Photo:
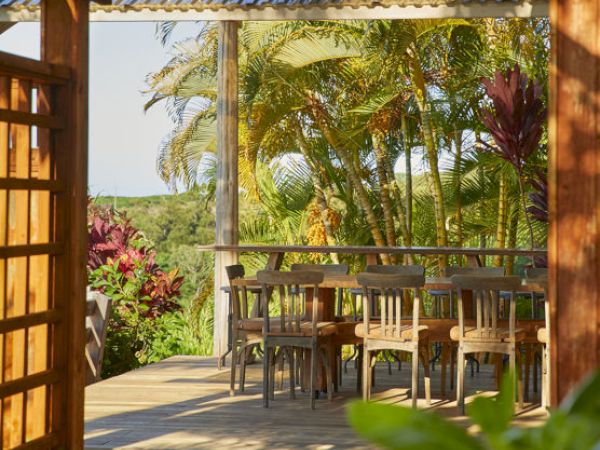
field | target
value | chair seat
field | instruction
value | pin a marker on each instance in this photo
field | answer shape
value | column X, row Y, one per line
column 542, row 335
column 375, row 332
column 256, row 324
column 471, row 334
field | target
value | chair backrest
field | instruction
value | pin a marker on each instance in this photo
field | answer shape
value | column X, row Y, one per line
column 96, row 324
column 239, row 294
column 291, row 301
column 486, row 295
column 390, row 289
column 396, row 270
column 328, row 269
column 479, row 271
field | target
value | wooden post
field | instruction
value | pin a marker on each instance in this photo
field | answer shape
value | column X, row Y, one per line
column 574, row 193
column 65, row 26
column 227, row 173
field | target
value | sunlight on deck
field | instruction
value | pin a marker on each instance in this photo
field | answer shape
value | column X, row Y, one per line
column 183, row 403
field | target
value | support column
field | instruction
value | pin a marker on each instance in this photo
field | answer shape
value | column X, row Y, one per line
column 574, row 193
column 65, row 25
column 227, row 173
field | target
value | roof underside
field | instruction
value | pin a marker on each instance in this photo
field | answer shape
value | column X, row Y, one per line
column 157, row 10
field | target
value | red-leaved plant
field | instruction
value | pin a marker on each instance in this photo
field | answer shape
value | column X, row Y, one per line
column 120, row 265
column 539, row 197
column 515, row 119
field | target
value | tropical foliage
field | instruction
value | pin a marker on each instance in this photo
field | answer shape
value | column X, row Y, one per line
column 361, row 132
column 148, row 321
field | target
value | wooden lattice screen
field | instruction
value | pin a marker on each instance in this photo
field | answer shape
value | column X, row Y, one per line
column 32, row 251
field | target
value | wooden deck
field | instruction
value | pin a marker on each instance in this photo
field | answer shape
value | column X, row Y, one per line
column 183, row 403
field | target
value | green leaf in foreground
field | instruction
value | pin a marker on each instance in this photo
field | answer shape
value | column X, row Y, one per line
column 397, row 427
column 494, row 414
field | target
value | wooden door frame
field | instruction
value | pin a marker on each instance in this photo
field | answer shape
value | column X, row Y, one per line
column 64, row 36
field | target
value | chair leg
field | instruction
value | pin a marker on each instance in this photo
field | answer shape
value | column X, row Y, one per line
column 272, row 364
column 244, row 355
column 292, row 369
column 512, row 365
column 544, row 371
column 266, row 371
column 460, row 379
column 427, row 377
column 414, row 390
column 313, row 374
column 232, row 374
column 444, row 364
column 366, row 378
column 359, row 369
column 452, row 366
column 325, row 355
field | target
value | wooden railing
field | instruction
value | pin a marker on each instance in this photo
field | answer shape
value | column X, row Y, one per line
column 472, row 254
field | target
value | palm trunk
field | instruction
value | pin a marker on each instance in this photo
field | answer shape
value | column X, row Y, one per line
column 481, row 177
column 501, row 224
column 512, row 237
column 319, row 115
column 432, row 157
column 409, row 189
column 384, row 190
column 457, row 137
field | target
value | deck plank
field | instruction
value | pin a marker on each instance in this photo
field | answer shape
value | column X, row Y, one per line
column 183, row 403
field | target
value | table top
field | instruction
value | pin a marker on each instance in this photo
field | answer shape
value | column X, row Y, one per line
column 350, row 282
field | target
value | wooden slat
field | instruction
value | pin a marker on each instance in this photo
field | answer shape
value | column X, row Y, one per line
column 15, row 251
column 32, row 70
column 30, row 320
column 28, row 382
column 31, row 119
column 32, row 184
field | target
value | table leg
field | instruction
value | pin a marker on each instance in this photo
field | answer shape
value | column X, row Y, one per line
column 325, row 313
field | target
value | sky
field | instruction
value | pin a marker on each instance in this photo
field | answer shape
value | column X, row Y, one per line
column 124, row 140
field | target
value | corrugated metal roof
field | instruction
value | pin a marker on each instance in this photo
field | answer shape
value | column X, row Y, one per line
column 199, row 5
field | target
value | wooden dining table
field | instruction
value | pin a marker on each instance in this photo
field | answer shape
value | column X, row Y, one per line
column 439, row 327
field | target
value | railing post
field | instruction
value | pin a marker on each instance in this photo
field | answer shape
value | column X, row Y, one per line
column 227, row 173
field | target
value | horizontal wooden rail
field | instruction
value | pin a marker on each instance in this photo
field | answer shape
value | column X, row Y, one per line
column 26, row 118
column 28, row 382
column 372, row 250
column 31, row 69
column 30, row 320
column 16, row 251
column 28, row 184
column 42, row 443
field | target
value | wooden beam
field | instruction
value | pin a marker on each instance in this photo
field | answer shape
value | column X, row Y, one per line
column 227, row 172
column 65, row 41
column 574, row 193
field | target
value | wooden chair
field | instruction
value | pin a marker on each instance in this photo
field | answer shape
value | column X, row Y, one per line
column 246, row 331
column 292, row 331
column 392, row 332
column 96, row 324
column 486, row 335
column 342, row 322
column 540, row 276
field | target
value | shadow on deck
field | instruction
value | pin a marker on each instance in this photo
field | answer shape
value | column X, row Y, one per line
column 183, row 403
